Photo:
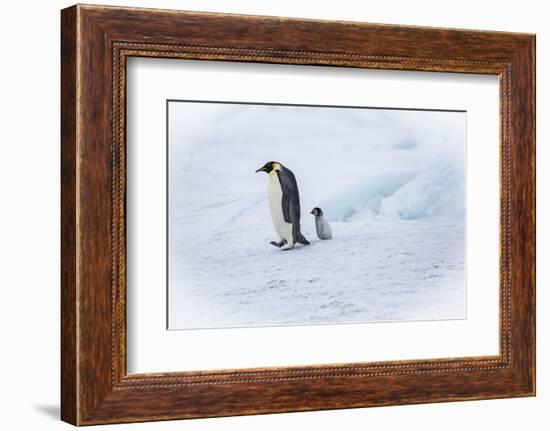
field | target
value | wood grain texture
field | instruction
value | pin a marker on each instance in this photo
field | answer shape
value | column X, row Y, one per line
column 96, row 41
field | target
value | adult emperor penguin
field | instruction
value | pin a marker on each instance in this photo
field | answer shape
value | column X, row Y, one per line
column 284, row 201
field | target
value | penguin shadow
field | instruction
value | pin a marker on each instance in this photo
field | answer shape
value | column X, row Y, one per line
column 287, row 250
column 298, row 247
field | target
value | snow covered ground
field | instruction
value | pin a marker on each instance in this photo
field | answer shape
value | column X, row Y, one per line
column 391, row 182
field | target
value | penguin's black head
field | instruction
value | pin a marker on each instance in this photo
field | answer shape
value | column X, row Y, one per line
column 269, row 167
column 317, row 211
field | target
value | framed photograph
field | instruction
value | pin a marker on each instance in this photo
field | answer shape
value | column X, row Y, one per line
column 265, row 214
column 376, row 182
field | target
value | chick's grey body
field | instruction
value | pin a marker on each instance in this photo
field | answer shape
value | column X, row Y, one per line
column 284, row 201
column 324, row 231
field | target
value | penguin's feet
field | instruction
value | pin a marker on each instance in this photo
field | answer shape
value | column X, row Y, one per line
column 289, row 247
column 278, row 244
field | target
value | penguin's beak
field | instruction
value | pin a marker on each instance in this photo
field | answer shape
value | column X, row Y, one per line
column 262, row 169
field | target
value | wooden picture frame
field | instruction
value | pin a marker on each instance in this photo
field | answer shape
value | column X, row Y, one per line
column 95, row 43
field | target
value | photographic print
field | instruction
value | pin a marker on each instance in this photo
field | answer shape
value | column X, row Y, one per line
column 300, row 214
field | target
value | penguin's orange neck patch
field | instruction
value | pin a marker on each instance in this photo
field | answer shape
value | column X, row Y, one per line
column 276, row 167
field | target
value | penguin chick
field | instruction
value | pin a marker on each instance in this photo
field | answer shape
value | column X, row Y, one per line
column 324, row 231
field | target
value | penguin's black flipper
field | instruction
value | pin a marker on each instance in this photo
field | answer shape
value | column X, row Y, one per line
column 286, row 206
column 295, row 220
column 291, row 196
column 291, row 203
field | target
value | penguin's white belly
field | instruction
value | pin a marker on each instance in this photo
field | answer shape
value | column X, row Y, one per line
column 275, row 194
